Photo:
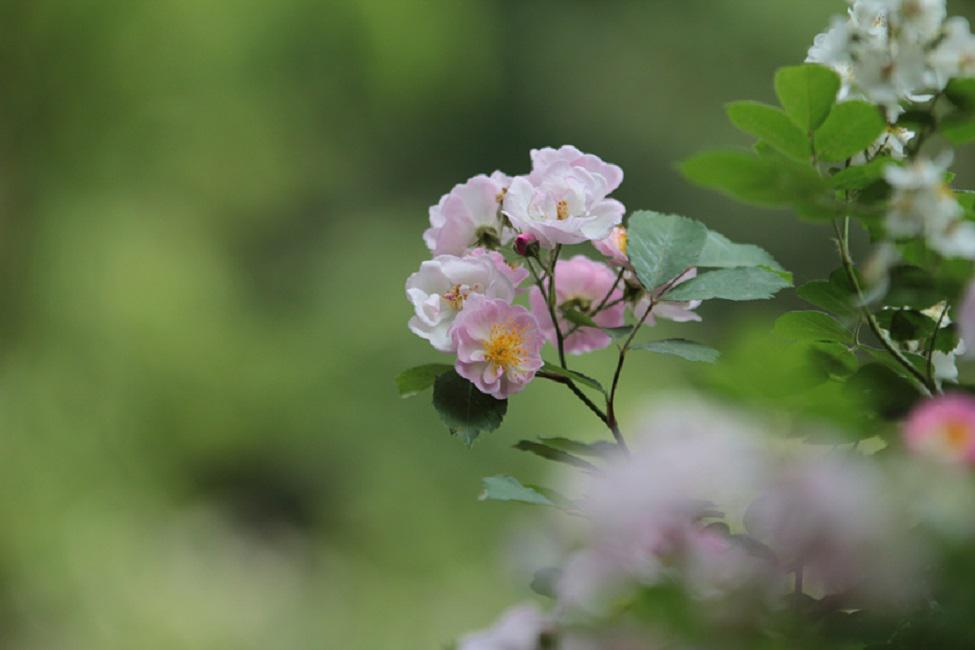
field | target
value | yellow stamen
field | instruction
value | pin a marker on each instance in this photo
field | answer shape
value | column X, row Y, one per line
column 500, row 195
column 957, row 435
column 623, row 239
column 562, row 210
column 504, row 347
column 456, row 296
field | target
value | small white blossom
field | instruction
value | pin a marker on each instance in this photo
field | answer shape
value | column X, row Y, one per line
column 955, row 54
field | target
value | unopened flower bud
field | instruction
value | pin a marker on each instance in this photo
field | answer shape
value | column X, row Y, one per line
column 526, row 245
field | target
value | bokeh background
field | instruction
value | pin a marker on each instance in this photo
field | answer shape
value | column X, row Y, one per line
column 208, row 209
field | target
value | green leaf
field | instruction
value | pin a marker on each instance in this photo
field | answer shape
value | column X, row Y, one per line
column 755, row 283
column 508, row 488
column 833, row 359
column 858, row 177
column 912, row 286
column 576, row 317
column 754, row 179
column 721, row 252
column 807, row 92
column 850, row 128
column 958, row 127
column 416, row 380
column 464, row 409
column 595, row 449
column 828, row 296
column 578, row 377
column 551, row 453
column 771, row 125
column 682, row 348
column 618, row 333
column 662, row 246
column 811, row 326
column 961, row 92
column 544, row 581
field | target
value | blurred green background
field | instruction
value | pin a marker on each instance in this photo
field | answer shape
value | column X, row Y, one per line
column 208, row 209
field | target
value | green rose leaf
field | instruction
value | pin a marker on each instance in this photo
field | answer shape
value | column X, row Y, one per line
column 578, row 377
column 755, row 283
column 681, row 348
column 961, row 92
column 811, row 326
column 850, row 128
column 464, row 409
column 829, row 296
column 721, row 252
column 858, row 177
column 592, row 449
column 552, row 453
column 807, row 92
column 959, row 127
column 662, row 246
column 417, row 379
column 771, row 125
column 508, row 488
column 762, row 180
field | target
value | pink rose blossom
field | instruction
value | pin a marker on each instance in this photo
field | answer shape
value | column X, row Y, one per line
column 471, row 210
column 943, row 428
column 498, row 346
column 679, row 312
column 440, row 289
column 519, row 628
column 564, row 199
column 515, row 273
column 614, row 247
column 583, row 283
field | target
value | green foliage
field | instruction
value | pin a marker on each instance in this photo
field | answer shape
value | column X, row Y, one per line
column 681, row 348
column 807, row 92
column 771, row 125
column 464, row 409
column 811, row 326
column 592, row 449
column 553, row 453
column 958, row 127
column 750, row 283
column 721, row 252
column 508, row 488
column 578, row 377
column 753, row 179
column 850, row 128
column 416, row 380
column 831, row 297
column 662, row 246
column 858, row 177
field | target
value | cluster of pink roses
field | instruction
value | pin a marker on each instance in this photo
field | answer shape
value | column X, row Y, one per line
column 464, row 298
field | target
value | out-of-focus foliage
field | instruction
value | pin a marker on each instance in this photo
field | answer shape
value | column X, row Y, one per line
column 207, row 208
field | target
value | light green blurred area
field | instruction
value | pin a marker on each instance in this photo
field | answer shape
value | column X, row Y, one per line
column 208, row 209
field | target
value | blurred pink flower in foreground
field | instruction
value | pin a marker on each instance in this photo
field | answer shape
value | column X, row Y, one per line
column 498, row 346
column 583, row 284
column 943, row 428
column 519, row 628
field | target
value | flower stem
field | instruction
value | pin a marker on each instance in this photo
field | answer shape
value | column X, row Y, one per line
column 842, row 241
column 551, row 304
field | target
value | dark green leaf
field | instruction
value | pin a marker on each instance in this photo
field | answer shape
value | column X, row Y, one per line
column 619, row 333
column 771, row 125
column 544, row 581
column 508, row 488
column 551, row 453
column 682, row 348
column 578, row 377
column 416, row 380
column 912, row 286
column 807, row 92
column 811, row 326
column 662, row 246
column 833, row 359
column 887, row 392
column 755, row 283
column 850, row 128
column 595, row 449
column 579, row 318
column 828, row 296
column 464, row 409
column 721, row 252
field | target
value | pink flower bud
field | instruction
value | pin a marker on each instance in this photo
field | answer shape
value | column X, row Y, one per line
column 526, row 244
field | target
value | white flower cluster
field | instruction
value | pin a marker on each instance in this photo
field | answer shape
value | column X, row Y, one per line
column 889, row 51
column 923, row 205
